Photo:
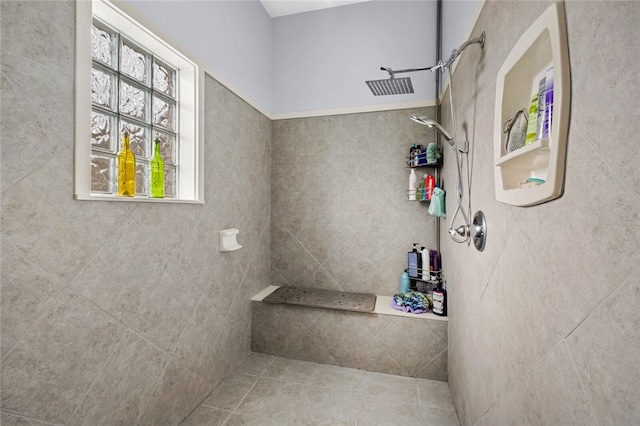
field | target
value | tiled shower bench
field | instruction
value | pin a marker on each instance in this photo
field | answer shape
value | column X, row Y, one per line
column 385, row 340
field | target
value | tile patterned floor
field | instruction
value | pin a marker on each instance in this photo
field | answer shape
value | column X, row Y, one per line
column 267, row 390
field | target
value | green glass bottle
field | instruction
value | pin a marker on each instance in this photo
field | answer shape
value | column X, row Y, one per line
column 157, row 172
column 126, row 169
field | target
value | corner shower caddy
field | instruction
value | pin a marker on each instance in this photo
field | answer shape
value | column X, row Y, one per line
column 542, row 45
column 435, row 167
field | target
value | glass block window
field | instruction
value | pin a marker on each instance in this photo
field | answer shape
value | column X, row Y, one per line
column 129, row 79
column 136, row 92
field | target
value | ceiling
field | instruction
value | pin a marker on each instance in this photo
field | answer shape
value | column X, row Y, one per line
column 277, row 8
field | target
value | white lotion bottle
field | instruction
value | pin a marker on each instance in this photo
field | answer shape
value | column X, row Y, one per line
column 424, row 254
column 413, row 185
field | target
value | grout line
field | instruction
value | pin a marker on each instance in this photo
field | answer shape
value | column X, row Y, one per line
column 610, row 168
column 529, row 371
column 62, row 146
column 39, row 318
column 510, row 234
column 112, row 235
column 577, row 373
column 119, row 322
column 611, row 295
column 431, row 361
column 45, row 305
column 143, row 408
column 252, row 387
column 238, row 288
column 485, row 413
column 229, row 414
column 318, row 263
column 22, row 416
column 100, row 373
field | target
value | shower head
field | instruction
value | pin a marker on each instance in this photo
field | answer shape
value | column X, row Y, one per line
column 421, row 119
column 391, row 86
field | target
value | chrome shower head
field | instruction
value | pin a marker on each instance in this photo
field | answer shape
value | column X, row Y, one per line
column 421, row 119
column 391, row 86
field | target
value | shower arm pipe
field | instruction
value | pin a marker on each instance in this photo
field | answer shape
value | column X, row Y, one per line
column 456, row 52
column 454, row 55
column 392, row 73
column 478, row 40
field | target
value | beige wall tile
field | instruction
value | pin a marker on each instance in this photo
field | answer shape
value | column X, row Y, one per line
column 178, row 392
column 124, row 386
column 547, row 267
column 26, row 292
column 37, row 378
column 148, row 266
column 605, row 350
column 339, row 202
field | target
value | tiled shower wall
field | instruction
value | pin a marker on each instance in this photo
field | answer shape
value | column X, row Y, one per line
column 544, row 324
column 414, row 347
column 117, row 312
column 340, row 215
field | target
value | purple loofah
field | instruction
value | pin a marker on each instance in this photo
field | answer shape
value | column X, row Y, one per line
column 406, row 308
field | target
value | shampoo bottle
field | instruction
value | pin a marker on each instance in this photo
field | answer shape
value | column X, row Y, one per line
column 430, row 183
column 548, row 104
column 404, row 282
column 413, row 185
column 440, row 301
column 413, row 259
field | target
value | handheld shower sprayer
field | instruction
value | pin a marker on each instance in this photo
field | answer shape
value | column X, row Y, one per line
column 421, row 119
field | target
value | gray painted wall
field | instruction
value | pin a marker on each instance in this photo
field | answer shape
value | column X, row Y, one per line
column 312, row 61
column 544, row 325
column 233, row 38
column 322, row 59
column 456, row 22
column 117, row 312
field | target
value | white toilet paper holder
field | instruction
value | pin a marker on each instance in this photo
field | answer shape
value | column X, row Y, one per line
column 228, row 240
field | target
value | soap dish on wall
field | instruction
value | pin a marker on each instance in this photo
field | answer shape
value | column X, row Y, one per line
column 228, row 240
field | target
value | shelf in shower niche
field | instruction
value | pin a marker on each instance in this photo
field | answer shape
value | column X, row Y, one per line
column 527, row 156
column 542, row 46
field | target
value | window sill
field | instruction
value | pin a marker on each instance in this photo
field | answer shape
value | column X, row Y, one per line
column 135, row 199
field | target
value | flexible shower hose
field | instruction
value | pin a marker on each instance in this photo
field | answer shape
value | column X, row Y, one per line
column 455, row 236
